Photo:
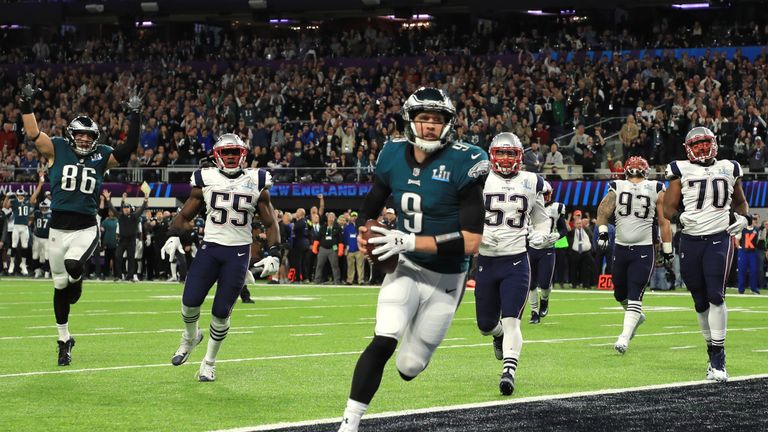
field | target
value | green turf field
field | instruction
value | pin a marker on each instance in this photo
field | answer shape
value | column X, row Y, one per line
column 290, row 356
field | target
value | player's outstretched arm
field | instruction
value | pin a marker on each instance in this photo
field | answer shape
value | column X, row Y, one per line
column 38, row 189
column 133, row 106
column 672, row 200
column 42, row 141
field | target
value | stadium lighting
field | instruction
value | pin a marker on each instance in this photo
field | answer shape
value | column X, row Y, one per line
column 150, row 7
column 257, row 4
column 144, row 24
column 94, row 8
column 420, row 17
column 691, row 6
column 539, row 12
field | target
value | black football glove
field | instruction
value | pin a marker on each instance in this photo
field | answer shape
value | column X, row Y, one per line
column 28, row 92
column 667, row 257
column 603, row 241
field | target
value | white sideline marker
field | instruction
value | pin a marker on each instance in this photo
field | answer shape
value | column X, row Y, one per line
column 503, row 402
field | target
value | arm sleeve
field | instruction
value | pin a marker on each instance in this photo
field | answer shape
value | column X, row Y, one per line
column 472, row 209
column 123, row 152
column 375, row 201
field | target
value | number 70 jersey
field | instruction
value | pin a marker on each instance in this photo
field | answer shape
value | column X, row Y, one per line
column 707, row 192
column 230, row 203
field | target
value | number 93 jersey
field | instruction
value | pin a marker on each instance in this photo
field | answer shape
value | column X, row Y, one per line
column 426, row 196
column 230, row 203
column 511, row 205
column 635, row 210
column 76, row 180
column 707, row 192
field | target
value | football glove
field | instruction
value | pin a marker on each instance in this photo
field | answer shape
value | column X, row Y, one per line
column 603, row 239
column 28, row 93
column 134, row 102
column 738, row 224
column 536, row 238
column 392, row 242
column 268, row 266
column 172, row 245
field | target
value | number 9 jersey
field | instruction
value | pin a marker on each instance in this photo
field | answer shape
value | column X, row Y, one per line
column 230, row 203
column 707, row 192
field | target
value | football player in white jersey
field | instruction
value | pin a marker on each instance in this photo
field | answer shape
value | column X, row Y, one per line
column 542, row 257
column 231, row 196
column 514, row 203
column 706, row 197
column 636, row 204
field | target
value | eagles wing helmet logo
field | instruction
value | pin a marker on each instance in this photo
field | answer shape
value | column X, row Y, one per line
column 480, row 169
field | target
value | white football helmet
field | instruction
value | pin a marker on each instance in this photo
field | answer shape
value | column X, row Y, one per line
column 83, row 125
column 700, row 144
column 428, row 99
column 506, row 153
column 229, row 153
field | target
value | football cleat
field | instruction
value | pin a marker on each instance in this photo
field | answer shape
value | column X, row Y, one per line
column 24, row 271
column 717, row 367
column 535, row 319
column 11, row 268
column 507, row 383
column 639, row 323
column 498, row 350
column 65, row 351
column 349, row 424
column 621, row 345
column 185, row 349
column 207, row 372
column 543, row 307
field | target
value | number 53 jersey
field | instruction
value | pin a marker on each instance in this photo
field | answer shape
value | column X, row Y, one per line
column 511, row 206
column 707, row 192
column 230, row 203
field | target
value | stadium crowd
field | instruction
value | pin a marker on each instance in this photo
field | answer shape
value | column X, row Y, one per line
column 314, row 114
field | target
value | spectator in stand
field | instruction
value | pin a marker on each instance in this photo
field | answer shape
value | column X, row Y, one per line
column 554, row 157
column 758, row 157
column 533, row 159
column 540, row 135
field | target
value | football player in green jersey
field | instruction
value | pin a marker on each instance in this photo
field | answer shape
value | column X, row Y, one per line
column 76, row 165
column 437, row 187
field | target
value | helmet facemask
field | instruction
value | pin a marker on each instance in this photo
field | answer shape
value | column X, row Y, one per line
column 230, row 158
column 423, row 112
column 506, row 160
column 83, row 134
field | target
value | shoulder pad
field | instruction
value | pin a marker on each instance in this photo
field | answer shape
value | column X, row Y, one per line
column 673, row 171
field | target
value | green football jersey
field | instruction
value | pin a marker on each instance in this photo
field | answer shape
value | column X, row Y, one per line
column 426, row 195
column 22, row 209
column 42, row 223
column 76, row 180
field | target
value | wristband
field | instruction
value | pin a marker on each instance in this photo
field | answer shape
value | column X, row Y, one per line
column 666, row 247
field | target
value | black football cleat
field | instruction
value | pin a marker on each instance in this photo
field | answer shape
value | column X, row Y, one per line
column 507, row 384
column 498, row 349
column 535, row 319
column 543, row 307
column 65, row 351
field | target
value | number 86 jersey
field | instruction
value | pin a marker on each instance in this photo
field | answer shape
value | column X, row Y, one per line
column 230, row 203
column 707, row 192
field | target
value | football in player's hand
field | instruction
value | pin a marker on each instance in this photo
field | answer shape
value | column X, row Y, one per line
column 387, row 266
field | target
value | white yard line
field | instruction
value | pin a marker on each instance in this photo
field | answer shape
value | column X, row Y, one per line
column 504, row 402
column 682, row 347
column 329, row 354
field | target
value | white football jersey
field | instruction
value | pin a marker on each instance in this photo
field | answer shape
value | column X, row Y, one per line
column 635, row 210
column 230, row 203
column 511, row 206
column 707, row 193
column 553, row 211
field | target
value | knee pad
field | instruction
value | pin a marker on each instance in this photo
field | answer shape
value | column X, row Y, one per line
column 701, row 306
column 716, row 300
column 619, row 297
column 410, row 366
column 74, row 268
column 486, row 326
column 222, row 312
column 74, row 291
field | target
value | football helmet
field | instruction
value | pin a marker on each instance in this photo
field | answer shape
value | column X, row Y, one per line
column 428, row 99
column 229, row 153
column 547, row 192
column 506, row 153
column 83, row 125
column 45, row 205
column 636, row 166
column 700, row 144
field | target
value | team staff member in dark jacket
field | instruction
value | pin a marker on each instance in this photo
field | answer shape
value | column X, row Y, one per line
column 128, row 226
column 300, row 247
column 329, row 246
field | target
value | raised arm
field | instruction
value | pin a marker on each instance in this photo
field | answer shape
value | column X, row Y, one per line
column 122, row 153
column 42, row 141
column 38, row 189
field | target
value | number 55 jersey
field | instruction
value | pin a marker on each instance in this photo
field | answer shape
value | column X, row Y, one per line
column 230, row 203
column 706, row 192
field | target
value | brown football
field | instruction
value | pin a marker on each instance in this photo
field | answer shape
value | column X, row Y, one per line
column 387, row 266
